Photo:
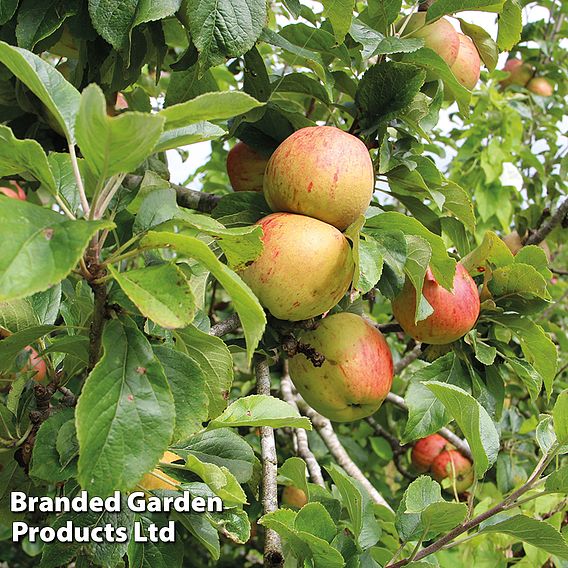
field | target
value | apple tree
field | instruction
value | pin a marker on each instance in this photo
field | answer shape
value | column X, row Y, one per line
column 348, row 322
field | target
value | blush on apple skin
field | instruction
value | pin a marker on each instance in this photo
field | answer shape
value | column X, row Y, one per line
column 458, row 468
column 426, row 450
column 454, row 315
column 356, row 375
column 322, row 172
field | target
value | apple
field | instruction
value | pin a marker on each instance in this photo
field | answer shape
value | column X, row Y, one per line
column 293, row 497
column 540, row 86
column 356, row 375
column 467, row 65
column 455, row 312
column 150, row 482
column 305, row 268
column 245, row 167
column 426, row 450
column 17, row 193
column 450, row 463
column 440, row 36
column 322, row 172
column 515, row 244
column 520, row 73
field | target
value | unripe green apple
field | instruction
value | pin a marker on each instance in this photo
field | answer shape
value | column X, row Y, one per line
column 293, row 497
column 455, row 312
column 305, row 268
column 467, row 65
column 426, row 450
column 245, row 167
column 439, row 36
column 540, row 86
column 322, row 172
column 458, row 468
column 520, row 73
column 356, row 375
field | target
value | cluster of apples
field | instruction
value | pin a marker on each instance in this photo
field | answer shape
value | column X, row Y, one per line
column 456, row 49
column 436, row 455
column 318, row 182
column 523, row 75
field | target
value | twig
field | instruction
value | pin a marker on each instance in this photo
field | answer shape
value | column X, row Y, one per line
column 301, row 435
column 272, row 545
column 459, row 444
column 391, row 327
column 97, row 324
column 546, row 228
column 189, row 198
column 409, row 358
column 79, row 180
column 224, row 327
column 328, row 435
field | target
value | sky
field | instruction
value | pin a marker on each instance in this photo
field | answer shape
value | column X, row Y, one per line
column 198, row 154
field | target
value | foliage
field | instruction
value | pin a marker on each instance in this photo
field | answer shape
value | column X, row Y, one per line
column 116, row 276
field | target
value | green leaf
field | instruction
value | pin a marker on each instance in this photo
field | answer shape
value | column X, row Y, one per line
column 192, row 134
column 510, row 25
column 46, row 464
column 419, row 495
column 474, row 422
column 394, row 44
column 519, row 287
column 537, row 347
column 444, row 7
column 125, row 414
column 17, row 315
column 113, row 20
column 202, row 530
column 10, row 346
column 484, row 43
column 339, row 13
column 223, row 447
column 113, row 145
column 545, row 435
column 443, row 266
column 162, row 293
column 458, row 202
column 560, row 415
column 260, row 410
column 441, row 517
column 222, row 29
column 60, row 97
column 368, row 37
column 215, row 361
column 538, row 533
column 370, row 265
column 246, row 303
column 21, row 156
column 209, row 106
column 417, row 261
column 155, row 554
column 313, row 518
column 437, row 67
column 385, row 89
column 557, row 482
column 151, row 11
column 65, row 182
column 294, row 470
column 187, row 383
column 359, row 507
column 232, row 523
column 219, row 479
column 301, row 83
column 40, row 247
column 7, row 10
column 491, row 252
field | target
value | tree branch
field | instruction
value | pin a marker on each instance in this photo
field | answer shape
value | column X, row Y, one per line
column 328, row 435
column 224, row 327
column 409, row 358
column 188, row 198
column 461, row 445
column 546, row 228
column 272, row 545
column 301, row 435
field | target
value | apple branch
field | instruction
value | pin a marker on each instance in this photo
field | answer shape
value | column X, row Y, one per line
column 269, row 496
column 461, row 445
column 301, row 435
column 224, row 327
column 507, row 503
column 546, row 228
column 407, row 359
column 328, row 435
